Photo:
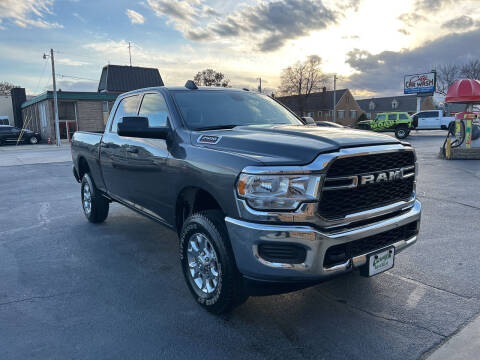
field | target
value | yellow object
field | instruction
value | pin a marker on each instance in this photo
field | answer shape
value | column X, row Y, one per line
column 448, row 150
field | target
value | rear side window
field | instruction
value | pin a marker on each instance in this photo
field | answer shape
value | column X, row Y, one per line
column 126, row 107
column 392, row 116
column 403, row 116
column 381, row 117
column 155, row 109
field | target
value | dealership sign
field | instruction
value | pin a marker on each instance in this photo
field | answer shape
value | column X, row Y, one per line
column 419, row 83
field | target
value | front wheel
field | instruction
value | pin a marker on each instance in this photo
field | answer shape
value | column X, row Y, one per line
column 401, row 132
column 95, row 206
column 33, row 140
column 208, row 263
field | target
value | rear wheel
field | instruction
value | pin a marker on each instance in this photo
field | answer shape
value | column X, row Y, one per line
column 401, row 132
column 95, row 206
column 208, row 263
column 33, row 140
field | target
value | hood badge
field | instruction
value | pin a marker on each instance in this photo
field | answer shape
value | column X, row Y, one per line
column 208, row 139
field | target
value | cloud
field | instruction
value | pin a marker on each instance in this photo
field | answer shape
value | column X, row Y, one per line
column 135, row 17
column 270, row 25
column 432, row 5
column 70, row 62
column 383, row 73
column 28, row 13
column 459, row 23
column 403, row 31
column 412, row 19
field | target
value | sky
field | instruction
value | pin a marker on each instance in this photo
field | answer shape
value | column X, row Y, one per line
column 369, row 44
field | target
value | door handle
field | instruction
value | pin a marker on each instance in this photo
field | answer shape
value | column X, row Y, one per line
column 133, row 150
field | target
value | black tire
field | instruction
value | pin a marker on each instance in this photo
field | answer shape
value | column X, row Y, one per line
column 401, row 132
column 33, row 140
column 228, row 291
column 94, row 205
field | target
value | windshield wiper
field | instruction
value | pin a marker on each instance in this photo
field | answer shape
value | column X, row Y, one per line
column 215, row 127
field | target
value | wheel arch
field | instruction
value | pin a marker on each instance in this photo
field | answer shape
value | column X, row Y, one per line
column 193, row 199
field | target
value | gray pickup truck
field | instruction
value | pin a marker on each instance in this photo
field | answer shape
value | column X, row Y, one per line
column 257, row 196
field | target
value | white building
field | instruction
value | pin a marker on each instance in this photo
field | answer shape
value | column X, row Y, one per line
column 6, row 110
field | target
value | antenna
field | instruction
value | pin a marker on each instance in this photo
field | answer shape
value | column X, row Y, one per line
column 130, row 53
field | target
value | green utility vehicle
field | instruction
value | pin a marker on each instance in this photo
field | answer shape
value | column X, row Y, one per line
column 399, row 122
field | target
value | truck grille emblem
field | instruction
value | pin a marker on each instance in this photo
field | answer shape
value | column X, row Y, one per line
column 381, row 177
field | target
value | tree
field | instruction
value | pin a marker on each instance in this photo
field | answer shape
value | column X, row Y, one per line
column 5, row 87
column 449, row 73
column 303, row 78
column 446, row 75
column 210, row 77
column 471, row 70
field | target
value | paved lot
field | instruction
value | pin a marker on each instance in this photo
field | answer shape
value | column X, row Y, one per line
column 70, row 289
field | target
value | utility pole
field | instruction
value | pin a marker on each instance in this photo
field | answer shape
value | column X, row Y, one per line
column 130, row 53
column 260, row 86
column 335, row 98
column 55, row 99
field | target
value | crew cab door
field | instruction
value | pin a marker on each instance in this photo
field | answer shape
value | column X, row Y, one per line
column 112, row 149
column 146, row 174
column 422, row 120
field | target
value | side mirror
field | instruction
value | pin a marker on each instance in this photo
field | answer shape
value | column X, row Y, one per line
column 138, row 126
column 308, row 120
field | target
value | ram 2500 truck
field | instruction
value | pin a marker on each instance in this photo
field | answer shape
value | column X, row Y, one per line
column 255, row 194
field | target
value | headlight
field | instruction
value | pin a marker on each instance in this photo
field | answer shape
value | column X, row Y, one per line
column 277, row 192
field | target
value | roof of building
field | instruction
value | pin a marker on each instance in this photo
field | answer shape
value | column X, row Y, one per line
column 316, row 101
column 405, row 103
column 71, row 95
column 119, row 78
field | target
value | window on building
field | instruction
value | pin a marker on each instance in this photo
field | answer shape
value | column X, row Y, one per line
column 66, row 110
column 310, row 114
column 394, row 104
column 353, row 114
column 155, row 109
column 371, row 105
column 327, row 113
column 369, row 116
column 319, row 114
column 392, row 117
column 127, row 107
column 341, row 114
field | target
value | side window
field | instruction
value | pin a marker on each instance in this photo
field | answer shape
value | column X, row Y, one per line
column 422, row 115
column 403, row 117
column 155, row 109
column 392, row 117
column 127, row 107
column 381, row 117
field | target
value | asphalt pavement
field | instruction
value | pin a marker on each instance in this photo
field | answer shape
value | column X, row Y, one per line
column 71, row 289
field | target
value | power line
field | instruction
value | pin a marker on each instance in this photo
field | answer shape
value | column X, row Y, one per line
column 76, row 77
column 41, row 77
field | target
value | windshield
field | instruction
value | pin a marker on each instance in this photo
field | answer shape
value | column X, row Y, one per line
column 217, row 109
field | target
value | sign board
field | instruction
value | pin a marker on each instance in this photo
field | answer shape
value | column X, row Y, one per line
column 420, row 83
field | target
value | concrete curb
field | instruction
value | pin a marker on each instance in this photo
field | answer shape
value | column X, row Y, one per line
column 464, row 345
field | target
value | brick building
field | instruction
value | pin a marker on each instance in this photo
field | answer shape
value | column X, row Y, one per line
column 85, row 111
column 319, row 106
column 402, row 103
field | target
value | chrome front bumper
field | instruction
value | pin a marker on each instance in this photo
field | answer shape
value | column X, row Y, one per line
column 246, row 236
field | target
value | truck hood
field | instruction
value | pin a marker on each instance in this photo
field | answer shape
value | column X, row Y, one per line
column 286, row 144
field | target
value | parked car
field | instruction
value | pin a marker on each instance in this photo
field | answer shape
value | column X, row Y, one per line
column 329, row 124
column 432, row 120
column 399, row 122
column 11, row 135
column 255, row 194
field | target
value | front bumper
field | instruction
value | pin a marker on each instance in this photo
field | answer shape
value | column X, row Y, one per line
column 246, row 236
